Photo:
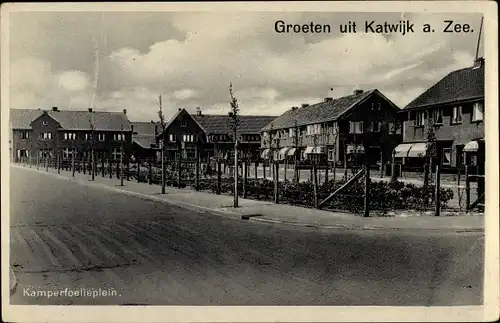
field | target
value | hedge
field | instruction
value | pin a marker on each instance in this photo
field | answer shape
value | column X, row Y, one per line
column 384, row 196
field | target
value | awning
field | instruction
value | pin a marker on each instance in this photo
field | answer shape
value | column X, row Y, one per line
column 359, row 149
column 282, row 153
column 418, row 150
column 265, row 153
column 401, row 150
column 471, row 147
column 319, row 150
column 291, row 152
column 308, row 150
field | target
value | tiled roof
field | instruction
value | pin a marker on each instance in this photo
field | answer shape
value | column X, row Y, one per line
column 72, row 120
column 144, row 128
column 144, row 141
column 319, row 112
column 221, row 124
column 460, row 85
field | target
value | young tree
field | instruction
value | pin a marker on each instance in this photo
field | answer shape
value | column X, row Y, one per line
column 431, row 152
column 92, row 143
column 297, row 140
column 235, row 123
column 162, row 144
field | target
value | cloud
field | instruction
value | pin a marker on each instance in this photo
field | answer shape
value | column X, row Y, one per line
column 190, row 58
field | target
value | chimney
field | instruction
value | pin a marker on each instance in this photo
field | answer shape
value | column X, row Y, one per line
column 478, row 62
column 357, row 92
column 294, row 108
column 55, row 109
column 198, row 111
column 179, row 109
column 328, row 99
column 90, row 109
column 124, row 111
column 305, row 105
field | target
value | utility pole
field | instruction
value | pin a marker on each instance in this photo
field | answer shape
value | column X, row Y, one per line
column 162, row 145
column 235, row 116
column 92, row 143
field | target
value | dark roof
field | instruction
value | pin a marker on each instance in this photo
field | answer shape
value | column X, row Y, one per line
column 144, row 128
column 461, row 85
column 221, row 124
column 145, row 141
column 319, row 112
column 72, row 120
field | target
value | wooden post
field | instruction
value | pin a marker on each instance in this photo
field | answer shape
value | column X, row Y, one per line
column 110, row 167
column 84, row 165
column 438, row 190
column 92, row 160
column 255, row 169
column 73, row 163
column 467, row 188
column 366, row 204
column 236, row 173
column 197, row 169
column 138, row 170
column 128, row 169
column 245, row 177
column 264, row 169
column 118, row 164
column 326, row 171
column 179, row 169
column 150, row 170
column 103, row 170
column 284, row 174
column 219, row 177
column 315, row 184
column 58, row 162
column 276, row 182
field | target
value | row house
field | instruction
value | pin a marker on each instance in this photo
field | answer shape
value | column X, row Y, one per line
column 340, row 130
column 51, row 133
column 449, row 114
column 212, row 134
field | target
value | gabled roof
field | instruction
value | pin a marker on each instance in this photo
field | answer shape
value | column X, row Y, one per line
column 221, row 124
column 72, row 120
column 319, row 112
column 461, row 85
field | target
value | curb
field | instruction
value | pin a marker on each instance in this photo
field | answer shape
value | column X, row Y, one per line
column 13, row 282
column 225, row 212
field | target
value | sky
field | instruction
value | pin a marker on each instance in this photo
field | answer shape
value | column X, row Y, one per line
column 124, row 60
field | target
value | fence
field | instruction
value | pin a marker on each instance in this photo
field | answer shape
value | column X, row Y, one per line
column 354, row 192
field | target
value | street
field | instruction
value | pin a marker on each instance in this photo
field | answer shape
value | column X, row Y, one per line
column 65, row 235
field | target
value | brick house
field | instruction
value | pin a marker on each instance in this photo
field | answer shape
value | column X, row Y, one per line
column 453, row 109
column 337, row 130
column 213, row 134
column 47, row 133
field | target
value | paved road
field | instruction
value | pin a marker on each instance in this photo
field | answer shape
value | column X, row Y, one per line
column 68, row 236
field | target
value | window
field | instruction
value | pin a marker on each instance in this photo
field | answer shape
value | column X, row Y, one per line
column 446, row 158
column 23, row 153
column 438, row 116
column 331, row 154
column 100, row 136
column 420, row 121
column 45, row 153
column 376, row 105
column 188, row 138
column 394, row 128
column 356, row 126
column 171, row 137
column 116, row 153
column 88, row 136
column 45, row 123
column 183, row 124
column 46, row 135
column 119, row 137
column 314, row 129
column 375, row 126
column 69, row 136
column 68, row 153
column 457, row 115
column 478, row 111
column 25, row 135
column 460, row 158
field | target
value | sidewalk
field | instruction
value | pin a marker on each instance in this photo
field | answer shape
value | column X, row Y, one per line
column 264, row 211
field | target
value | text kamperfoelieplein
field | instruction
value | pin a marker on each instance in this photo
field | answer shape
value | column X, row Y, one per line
column 67, row 292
